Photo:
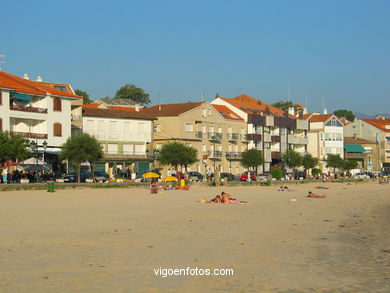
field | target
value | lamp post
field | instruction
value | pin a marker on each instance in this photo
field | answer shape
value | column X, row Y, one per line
column 214, row 139
column 34, row 148
column 229, row 158
column 156, row 152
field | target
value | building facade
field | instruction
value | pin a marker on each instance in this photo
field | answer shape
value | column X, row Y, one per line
column 269, row 129
column 325, row 137
column 217, row 133
column 377, row 130
column 363, row 151
column 124, row 137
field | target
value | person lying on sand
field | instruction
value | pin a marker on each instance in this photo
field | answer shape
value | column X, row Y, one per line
column 216, row 199
column 321, row 187
column 383, row 181
column 229, row 200
column 282, row 188
column 312, row 195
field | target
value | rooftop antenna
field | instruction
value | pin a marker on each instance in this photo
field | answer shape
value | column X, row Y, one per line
column 201, row 96
column 306, row 96
column 289, row 92
column 1, row 61
column 158, row 102
column 323, row 104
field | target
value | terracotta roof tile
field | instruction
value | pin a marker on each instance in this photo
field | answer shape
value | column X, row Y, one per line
column 379, row 123
column 22, row 85
column 227, row 113
column 115, row 113
column 170, row 109
column 317, row 117
column 89, row 106
column 357, row 140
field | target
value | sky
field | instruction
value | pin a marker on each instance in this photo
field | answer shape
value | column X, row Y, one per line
column 336, row 51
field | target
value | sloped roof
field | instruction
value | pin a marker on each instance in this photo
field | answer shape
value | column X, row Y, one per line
column 170, row 109
column 356, row 140
column 93, row 105
column 317, row 117
column 115, row 113
column 117, row 102
column 379, row 123
column 22, row 85
column 227, row 113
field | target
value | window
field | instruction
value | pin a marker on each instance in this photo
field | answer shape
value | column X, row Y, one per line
column 61, row 88
column 209, row 112
column 112, row 148
column 57, row 129
column 204, row 148
column 204, row 129
column 219, row 130
column 128, row 149
column 189, row 127
column 267, row 145
column 333, row 122
column 387, row 139
column 57, row 106
column 204, row 113
column 157, row 128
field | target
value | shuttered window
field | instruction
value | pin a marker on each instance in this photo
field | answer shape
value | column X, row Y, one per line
column 57, row 106
column 57, row 129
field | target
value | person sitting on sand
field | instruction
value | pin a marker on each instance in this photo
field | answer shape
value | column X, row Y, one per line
column 312, row 195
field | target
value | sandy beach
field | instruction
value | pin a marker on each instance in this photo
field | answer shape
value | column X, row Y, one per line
column 112, row 240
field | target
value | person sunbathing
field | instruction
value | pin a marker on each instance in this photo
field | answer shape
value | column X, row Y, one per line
column 216, row 199
column 282, row 188
column 312, row 195
column 321, row 187
column 229, row 200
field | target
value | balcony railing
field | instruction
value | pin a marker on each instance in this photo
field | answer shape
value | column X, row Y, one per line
column 77, row 118
column 28, row 109
column 215, row 154
column 215, row 136
column 116, row 154
column 233, row 156
column 244, row 137
column 31, row 135
column 254, row 137
column 199, row 134
column 232, row 136
column 275, row 138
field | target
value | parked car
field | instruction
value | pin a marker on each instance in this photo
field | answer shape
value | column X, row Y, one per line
column 228, row 176
column 262, row 176
column 101, row 176
column 195, row 176
column 300, row 176
column 244, row 176
column 370, row 174
column 360, row 176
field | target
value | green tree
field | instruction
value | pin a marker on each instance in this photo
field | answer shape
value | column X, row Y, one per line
column 13, row 147
column 309, row 162
column 284, row 105
column 349, row 165
column 131, row 92
column 82, row 148
column 292, row 159
column 86, row 99
column 346, row 114
column 252, row 159
column 334, row 161
column 177, row 154
column 277, row 173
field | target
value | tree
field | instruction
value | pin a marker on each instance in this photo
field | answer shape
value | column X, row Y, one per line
column 309, row 162
column 284, row 105
column 13, row 147
column 176, row 153
column 252, row 159
column 292, row 159
column 346, row 114
column 82, row 148
column 86, row 99
column 349, row 165
column 334, row 161
column 131, row 92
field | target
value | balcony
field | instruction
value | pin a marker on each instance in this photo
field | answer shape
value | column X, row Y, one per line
column 199, row 134
column 275, row 155
column 28, row 109
column 214, row 136
column 294, row 139
column 215, row 154
column 30, row 135
column 244, row 137
column 124, row 155
column 231, row 156
column 275, row 138
column 232, row 136
column 254, row 136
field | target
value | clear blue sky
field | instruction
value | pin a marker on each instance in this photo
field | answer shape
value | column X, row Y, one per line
column 176, row 49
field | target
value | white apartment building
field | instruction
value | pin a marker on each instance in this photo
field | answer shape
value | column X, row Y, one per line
column 36, row 111
column 325, row 137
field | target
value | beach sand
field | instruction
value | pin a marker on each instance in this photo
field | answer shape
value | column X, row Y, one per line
column 111, row 240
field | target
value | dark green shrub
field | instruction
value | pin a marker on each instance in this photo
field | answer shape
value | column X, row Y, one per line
column 315, row 171
column 277, row 173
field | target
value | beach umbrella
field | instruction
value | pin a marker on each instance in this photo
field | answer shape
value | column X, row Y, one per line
column 170, row 178
column 150, row 175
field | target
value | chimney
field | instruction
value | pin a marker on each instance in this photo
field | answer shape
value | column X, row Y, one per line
column 304, row 111
column 25, row 76
column 137, row 107
column 291, row 111
column 159, row 107
column 325, row 111
column 39, row 78
column 217, row 95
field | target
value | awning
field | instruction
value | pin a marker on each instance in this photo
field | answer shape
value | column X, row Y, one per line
column 21, row 97
column 354, row 148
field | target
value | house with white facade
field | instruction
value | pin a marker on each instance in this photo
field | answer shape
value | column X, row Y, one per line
column 325, row 137
column 123, row 135
column 37, row 112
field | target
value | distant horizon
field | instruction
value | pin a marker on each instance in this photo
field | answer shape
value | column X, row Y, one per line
column 173, row 49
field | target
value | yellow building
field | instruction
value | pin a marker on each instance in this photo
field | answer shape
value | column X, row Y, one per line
column 216, row 132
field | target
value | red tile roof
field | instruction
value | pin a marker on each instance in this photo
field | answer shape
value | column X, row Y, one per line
column 22, row 85
column 317, row 117
column 170, row 109
column 131, row 109
column 227, row 113
column 356, row 140
column 115, row 113
column 379, row 123
column 245, row 103
column 89, row 106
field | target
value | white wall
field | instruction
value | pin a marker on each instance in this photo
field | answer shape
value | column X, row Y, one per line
column 4, row 110
column 64, row 117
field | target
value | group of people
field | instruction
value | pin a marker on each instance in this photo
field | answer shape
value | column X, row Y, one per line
column 8, row 176
column 226, row 199
column 14, row 176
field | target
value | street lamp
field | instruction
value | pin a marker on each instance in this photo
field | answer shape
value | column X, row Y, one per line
column 156, row 152
column 214, row 138
column 44, row 150
column 229, row 158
